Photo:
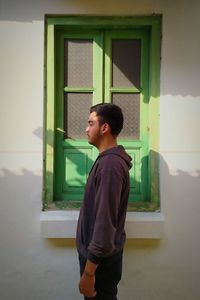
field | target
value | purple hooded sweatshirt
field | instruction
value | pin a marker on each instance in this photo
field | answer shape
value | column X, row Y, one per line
column 100, row 230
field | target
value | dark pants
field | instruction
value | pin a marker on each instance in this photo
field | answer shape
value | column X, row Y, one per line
column 107, row 276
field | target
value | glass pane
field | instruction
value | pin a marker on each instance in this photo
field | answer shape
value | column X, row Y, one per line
column 76, row 112
column 130, row 105
column 78, row 63
column 126, row 56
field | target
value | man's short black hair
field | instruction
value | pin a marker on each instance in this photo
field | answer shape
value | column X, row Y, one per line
column 111, row 114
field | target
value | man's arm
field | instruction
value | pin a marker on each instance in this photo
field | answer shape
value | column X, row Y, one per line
column 107, row 202
column 87, row 281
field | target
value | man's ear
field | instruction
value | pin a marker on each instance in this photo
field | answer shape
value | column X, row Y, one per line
column 105, row 128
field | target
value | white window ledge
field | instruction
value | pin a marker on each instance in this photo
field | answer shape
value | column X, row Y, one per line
column 62, row 224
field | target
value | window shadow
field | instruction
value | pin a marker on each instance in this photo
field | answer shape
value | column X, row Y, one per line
column 21, row 256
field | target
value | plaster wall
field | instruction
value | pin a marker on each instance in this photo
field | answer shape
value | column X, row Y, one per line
column 34, row 268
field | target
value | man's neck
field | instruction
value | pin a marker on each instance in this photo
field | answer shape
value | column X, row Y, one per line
column 107, row 145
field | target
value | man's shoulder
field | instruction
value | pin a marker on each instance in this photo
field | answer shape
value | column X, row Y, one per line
column 109, row 160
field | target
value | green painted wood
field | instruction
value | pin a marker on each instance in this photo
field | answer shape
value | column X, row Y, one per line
column 49, row 120
column 139, row 172
column 124, row 90
column 154, row 113
column 103, row 22
column 148, row 147
column 74, row 158
column 78, row 89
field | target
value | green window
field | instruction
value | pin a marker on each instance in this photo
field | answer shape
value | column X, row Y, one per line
column 92, row 60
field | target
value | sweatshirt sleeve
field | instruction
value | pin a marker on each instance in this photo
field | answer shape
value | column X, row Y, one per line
column 107, row 201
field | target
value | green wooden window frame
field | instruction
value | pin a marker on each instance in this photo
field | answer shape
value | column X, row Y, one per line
column 152, row 24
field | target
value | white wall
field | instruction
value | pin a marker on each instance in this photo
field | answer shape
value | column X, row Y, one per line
column 34, row 268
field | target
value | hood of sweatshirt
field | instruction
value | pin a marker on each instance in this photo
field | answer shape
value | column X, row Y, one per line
column 119, row 151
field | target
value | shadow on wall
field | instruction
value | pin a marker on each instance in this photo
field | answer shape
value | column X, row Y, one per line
column 31, row 267
column 28, row 11
column 177, row 186
column 21, row 199
column 180, row 71
column 25, row 256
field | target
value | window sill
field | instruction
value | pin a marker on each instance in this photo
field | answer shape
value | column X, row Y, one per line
column 62, row 224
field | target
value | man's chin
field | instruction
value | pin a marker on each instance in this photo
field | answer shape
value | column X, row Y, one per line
column 91, row 143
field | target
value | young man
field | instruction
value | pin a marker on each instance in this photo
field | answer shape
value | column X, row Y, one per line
column 100, row 231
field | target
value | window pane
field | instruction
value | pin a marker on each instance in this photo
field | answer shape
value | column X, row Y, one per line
column 130, row 105
column 78, row 63
column 76, row 112
column 126, row 56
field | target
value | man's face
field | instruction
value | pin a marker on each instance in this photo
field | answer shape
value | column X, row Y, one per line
column 93, row 130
